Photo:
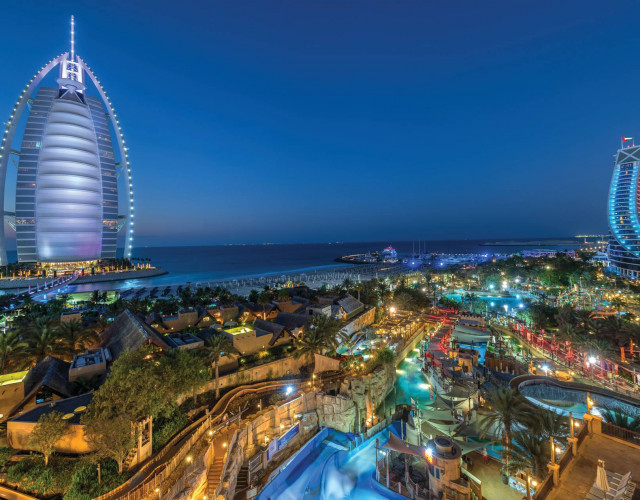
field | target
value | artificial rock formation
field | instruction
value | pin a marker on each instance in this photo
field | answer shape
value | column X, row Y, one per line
column 357, row 396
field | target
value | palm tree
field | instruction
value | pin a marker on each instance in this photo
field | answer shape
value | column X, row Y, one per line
column 530, row 450
column 550, row 424
column 11, row 347
column 506, row 408
column 217, row 346
column 328, row 329
column 617, row 303
column 620, row 419
column 348, row 342
column 313, row 341
column 75, row 334
column 42, row 340
column 601, row 348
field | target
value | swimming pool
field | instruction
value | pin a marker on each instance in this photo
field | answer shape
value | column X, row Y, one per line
column 564, row 400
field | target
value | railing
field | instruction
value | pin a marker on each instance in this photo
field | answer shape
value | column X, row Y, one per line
column 227, row 459
column 475, row 484
column 545, row 488
column 621, row 433
column 565, row 459
column 153, row 473
column 199, row 463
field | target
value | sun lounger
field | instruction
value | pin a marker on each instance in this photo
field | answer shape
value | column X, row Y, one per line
column 623, row 492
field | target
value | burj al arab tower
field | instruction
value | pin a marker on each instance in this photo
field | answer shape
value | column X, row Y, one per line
column 71, row 162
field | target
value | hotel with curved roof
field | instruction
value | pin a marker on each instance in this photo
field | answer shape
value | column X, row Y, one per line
column 624, row 241
column 69, row 160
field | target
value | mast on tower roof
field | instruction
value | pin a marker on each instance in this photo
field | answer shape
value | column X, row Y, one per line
column 73, row 42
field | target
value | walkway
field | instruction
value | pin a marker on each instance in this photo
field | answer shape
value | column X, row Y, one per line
column 490, row 475
column 148, row 475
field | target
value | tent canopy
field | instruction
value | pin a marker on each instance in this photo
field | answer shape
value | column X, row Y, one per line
column 397, row 444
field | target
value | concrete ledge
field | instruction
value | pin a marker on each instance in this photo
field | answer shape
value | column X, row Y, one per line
column 522, row 380
column 121, row 276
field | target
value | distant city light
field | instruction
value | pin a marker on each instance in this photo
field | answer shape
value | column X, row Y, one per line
column 288, row 390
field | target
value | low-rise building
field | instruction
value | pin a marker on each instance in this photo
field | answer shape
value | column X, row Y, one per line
column 183, row 341
column 74, row 440
column 46, row 382
column 317, row 309
column 472, row 319
column 249, row 340
column 128, row 332
column 295, row 324
column 185, row 318
column 11, row 391
column 89, row 364
column 350, row 306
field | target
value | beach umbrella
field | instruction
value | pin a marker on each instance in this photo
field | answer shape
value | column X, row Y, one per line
column 601, row 477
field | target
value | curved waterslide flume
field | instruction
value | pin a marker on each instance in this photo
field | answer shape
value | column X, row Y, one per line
column 327, row 473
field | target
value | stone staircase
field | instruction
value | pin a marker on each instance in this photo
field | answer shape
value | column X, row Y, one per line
column 242, row 484
column 214, row 475
column 130, row 458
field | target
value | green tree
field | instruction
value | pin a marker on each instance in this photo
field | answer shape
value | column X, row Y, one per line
column 188, row 372
column 11, row 349
column 505, row 408
column 530, row 450
column 315, row 340
column 46, row 433
column 617, row 417
column 75, row 334
column 110, row 436
column 386, row 357
column 550, row 424
column 135, row 387
column 42, row 340
column 215, row 347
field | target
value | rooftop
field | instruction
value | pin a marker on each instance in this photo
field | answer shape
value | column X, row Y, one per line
column 239, row 330
column 12, row 378
column 71, row 408
column 88, row 358
column 576, row 480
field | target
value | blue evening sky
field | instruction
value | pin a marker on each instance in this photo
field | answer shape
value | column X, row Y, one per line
column 304, row 121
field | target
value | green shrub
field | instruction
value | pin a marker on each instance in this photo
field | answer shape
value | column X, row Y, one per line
column 5, row 455
column 165, row 427
column 32, row 475
column 84, row 482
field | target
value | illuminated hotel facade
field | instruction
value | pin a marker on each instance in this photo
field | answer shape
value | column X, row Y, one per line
column 624, row 227
column 68, row 207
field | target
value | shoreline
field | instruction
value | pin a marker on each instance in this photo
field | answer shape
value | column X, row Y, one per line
column 87, row 279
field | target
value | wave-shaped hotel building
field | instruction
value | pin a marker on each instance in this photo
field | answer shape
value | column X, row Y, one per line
column 73, row 192
column 624, row 226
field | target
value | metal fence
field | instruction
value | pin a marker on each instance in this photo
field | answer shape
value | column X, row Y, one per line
column 621, row 433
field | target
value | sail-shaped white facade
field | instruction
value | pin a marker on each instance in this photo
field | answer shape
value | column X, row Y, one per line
column 67, row 203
